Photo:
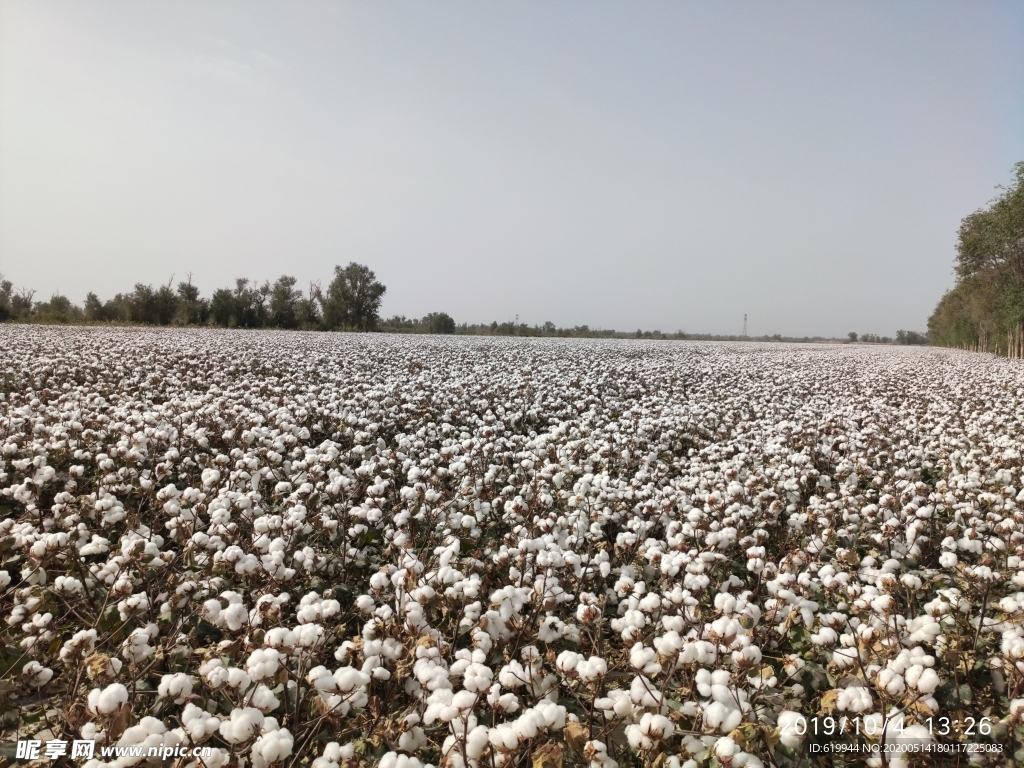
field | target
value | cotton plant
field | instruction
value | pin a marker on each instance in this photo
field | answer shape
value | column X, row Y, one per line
column 470, row 553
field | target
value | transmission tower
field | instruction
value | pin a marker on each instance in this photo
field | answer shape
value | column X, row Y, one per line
column 744, row 324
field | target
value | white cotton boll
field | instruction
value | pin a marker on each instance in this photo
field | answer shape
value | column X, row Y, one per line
column 882, row 604
column 67, row 585
column 321, row 678
column 349, row 678
column 264, row 699
column 592, row 669
column 567, row 661
column 263, row 663
column 234, row 616
column 825, row 636
column 651, row 730
column 242, row 725
column 35, row 674
column 503, row 738
column 747, row 656
column 703, row 680
column 550, row 630
column 211, row 609
column 530, row 724
column 725, row 748
column 644, row 660
column 308, row 635
column 616, row 704
column 273, row 746
column 81, row 645
column 279, row 637
column 855, row 699
column 413, row 739
column 476, row 742
column 396, row 760
column 908, row 740
column 948, row 560
column 891, row 682
column 638, row 740
column 720, row 677
column 366, row 604
column 439, row 707
column 238, row 678
column 731, row 721
column 554, row 714
column 150, row 732
column 477, row 678
column 198, row 723
column 512, row 675
column 644, row 693
column 5, row 579
column 463, row 701
column 714, row 714
column 107, row 700
column 177, row 686
column 792, row 728
column 344, row 651
column 928, row 681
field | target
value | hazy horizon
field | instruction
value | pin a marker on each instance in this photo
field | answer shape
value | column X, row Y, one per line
column 657, row 166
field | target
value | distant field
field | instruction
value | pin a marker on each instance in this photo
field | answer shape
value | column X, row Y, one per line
column 462, row 551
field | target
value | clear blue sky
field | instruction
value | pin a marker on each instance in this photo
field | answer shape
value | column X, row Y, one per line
column 656, row 165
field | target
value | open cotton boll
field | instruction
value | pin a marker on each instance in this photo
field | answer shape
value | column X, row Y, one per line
column 792, row 727
column 263, row 663
column 273, row 746
column 397, row 760
column 649, row 732
column 242, row 725
column 928, row 681
column 35, row 674
column 725, row 749
column 81, row 645
column 349, row 678
column 890, row 682
column 644, row 693
column 477, row 678
column 413, row 739
column 504, row 738
column 198, row 723
column 592, row 669
column 280, row 638
column 855, row 698
column 644, row 660
column 175, row 686
column 264, row 699
column 107, row 700
column 722, row 717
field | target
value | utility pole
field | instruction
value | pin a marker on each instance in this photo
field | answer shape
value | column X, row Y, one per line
column 744, row 325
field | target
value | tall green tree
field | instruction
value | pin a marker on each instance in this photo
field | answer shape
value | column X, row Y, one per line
column 192, row 309
column 284, row 303
column 438, row 322
column 352, row 300
column 985, row 310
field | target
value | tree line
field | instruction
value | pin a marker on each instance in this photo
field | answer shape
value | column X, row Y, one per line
column 902, row 337
column 351, row 301
column 985, row 309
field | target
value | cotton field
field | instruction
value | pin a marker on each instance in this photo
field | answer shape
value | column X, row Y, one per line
column 339, row 550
